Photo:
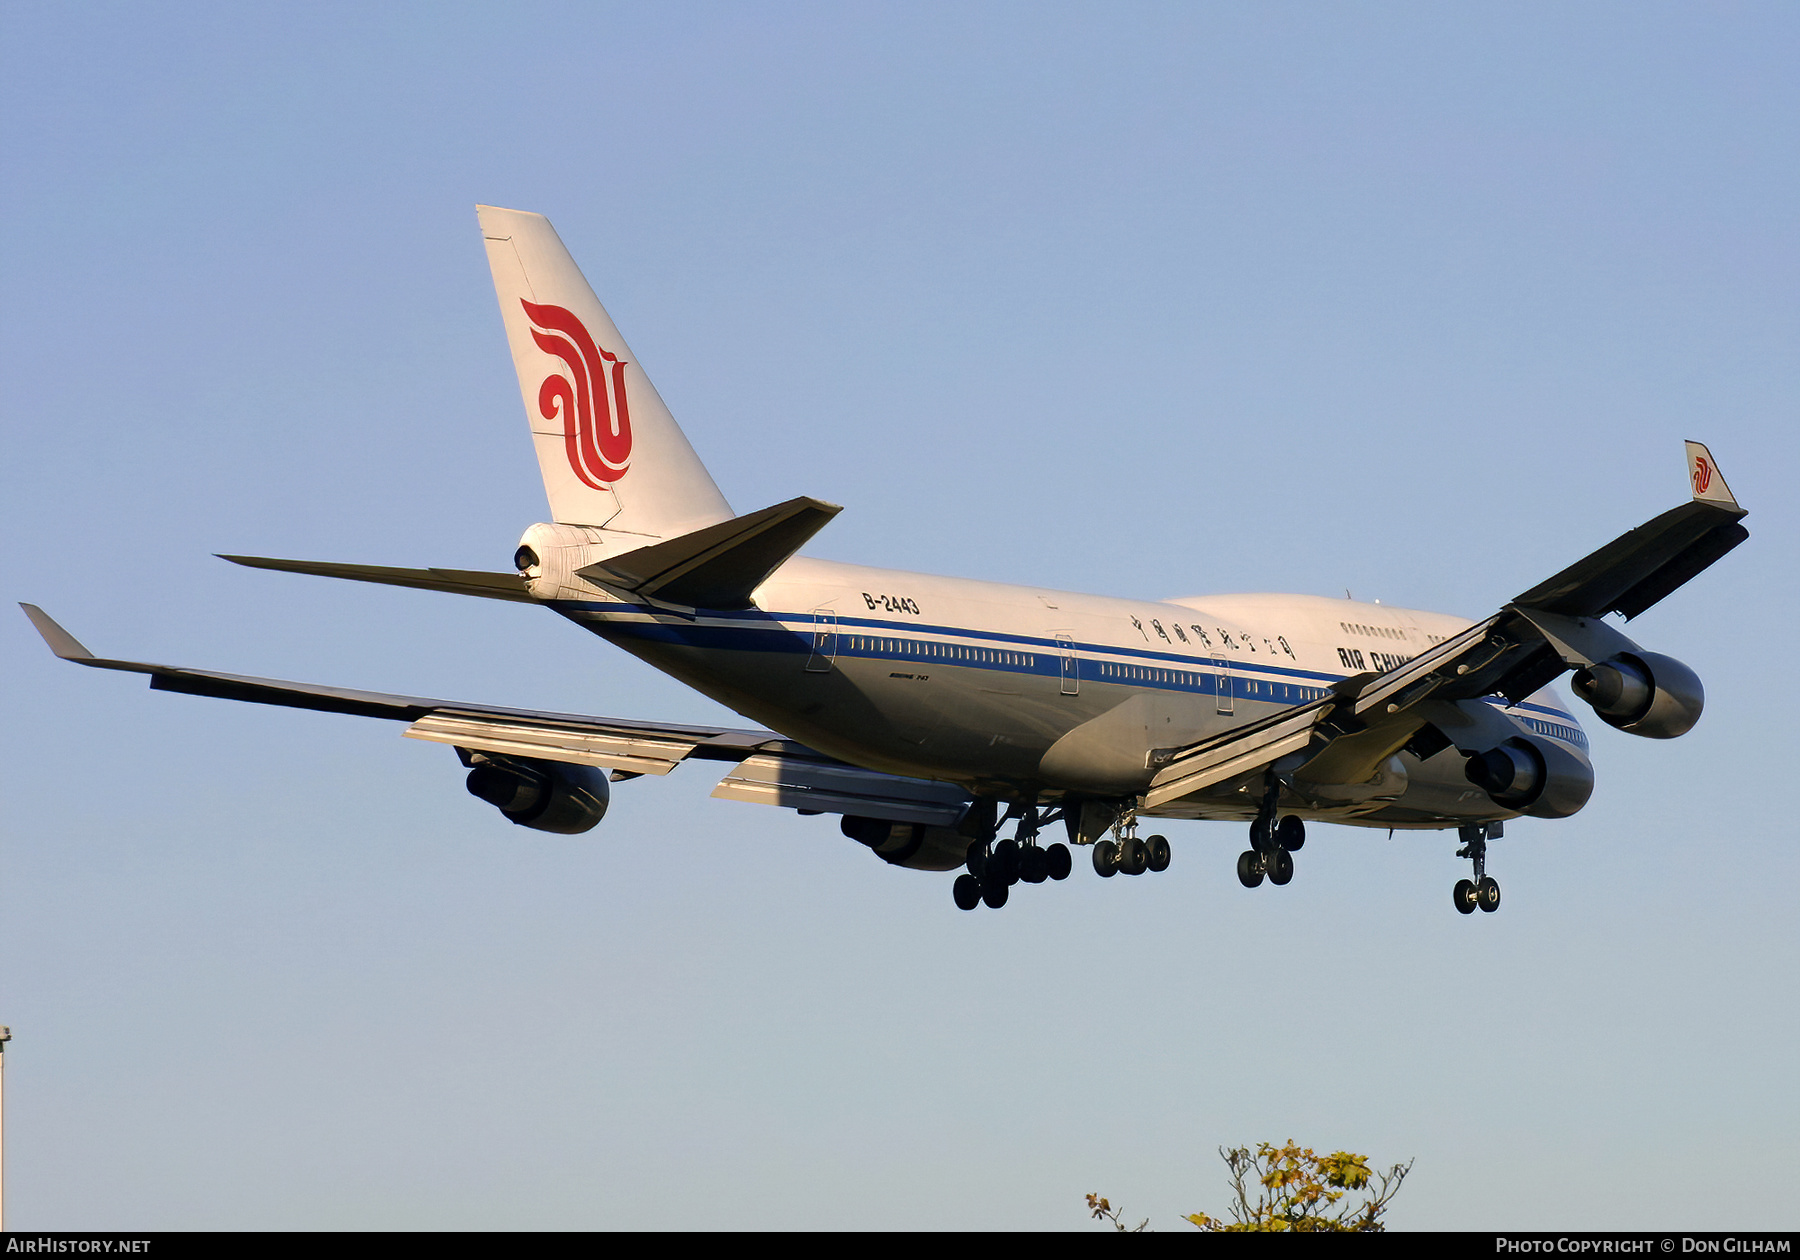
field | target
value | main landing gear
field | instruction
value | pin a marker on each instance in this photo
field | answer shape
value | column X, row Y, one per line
column 1127, row 853
column 1273, row 840
column 1484, row 889
column 995, row 868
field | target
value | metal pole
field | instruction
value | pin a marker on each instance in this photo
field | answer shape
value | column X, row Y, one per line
column 5, row 1036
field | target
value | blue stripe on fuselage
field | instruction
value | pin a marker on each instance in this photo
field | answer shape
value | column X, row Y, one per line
column 725, row 631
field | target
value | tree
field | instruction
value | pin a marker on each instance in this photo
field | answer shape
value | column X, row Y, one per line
column 1104, row 1211
column 1299, row 1191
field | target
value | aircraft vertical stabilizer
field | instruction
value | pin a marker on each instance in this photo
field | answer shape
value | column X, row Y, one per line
column 610, row 452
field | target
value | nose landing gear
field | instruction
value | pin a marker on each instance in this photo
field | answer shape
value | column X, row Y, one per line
column 1484, row 890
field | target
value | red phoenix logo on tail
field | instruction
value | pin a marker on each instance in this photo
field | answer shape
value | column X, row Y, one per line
column 589, row 399
column 1702, row 474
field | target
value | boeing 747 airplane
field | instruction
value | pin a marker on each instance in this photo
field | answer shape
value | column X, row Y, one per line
column 933, row 714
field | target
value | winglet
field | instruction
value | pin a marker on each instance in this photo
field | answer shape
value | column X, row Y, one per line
column 61, row 641
column 1708, row 482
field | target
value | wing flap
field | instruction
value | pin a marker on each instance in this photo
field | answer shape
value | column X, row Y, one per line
column 1424, row 674
column 835, row 788
column 1241, row 752
column 1682, row 568
column 554, row 741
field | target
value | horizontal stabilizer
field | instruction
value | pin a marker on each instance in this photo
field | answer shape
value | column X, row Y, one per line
column 455, row 581
column 718, row 566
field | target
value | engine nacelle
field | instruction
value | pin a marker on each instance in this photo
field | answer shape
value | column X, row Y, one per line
column 543, row 795
column 1643, row 693
column 915, row 846
column 1532, row 776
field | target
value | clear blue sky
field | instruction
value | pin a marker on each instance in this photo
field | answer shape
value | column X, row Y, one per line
column 1142, row 299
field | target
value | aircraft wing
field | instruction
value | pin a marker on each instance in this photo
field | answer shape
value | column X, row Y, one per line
column 769, row 768
column 1553, row 627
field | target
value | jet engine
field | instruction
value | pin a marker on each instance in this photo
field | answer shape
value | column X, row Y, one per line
column 1532, row 776
column 543, row 795
column 915, row 846
column 1643, row 693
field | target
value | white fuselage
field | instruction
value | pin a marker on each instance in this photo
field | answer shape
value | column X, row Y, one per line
column 1024, row 693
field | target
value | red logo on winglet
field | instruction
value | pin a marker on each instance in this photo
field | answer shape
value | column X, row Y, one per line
column 1702, row 474
column 589, row 400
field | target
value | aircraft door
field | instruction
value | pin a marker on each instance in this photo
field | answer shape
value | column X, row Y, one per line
column 824, row 650
column 1071, row 665
column 1227, row 704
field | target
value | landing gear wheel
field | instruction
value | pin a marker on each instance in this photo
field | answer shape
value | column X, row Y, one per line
column 1157, row 848
column 1058, row 860
column 1290, row 834
column 1463, row 896
column 1259, row 834
column 1487, row 893
column 1003, row 866
column 1106, row 859
column 1281, row 867
column 1484, row 891
column 1133, row 860
column 967, row 892
column 976, row 858
column 1250, row 868
column 993, row 894
column 1034, row 867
